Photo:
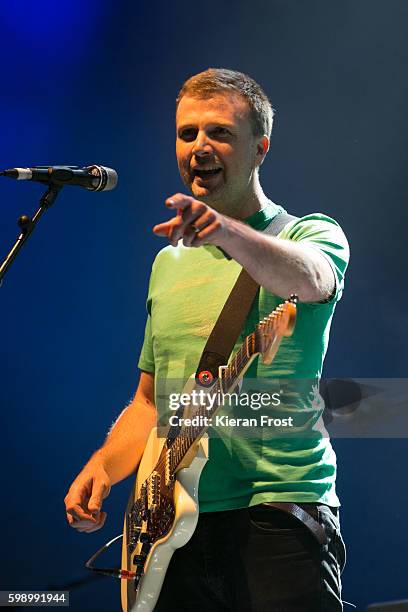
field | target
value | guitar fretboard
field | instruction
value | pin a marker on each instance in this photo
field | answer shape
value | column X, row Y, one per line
column 265, row 339
column 231, row 374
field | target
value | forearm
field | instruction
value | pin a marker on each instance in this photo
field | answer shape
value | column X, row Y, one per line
column 280, row 266
column 116, row 459
column 123, row 448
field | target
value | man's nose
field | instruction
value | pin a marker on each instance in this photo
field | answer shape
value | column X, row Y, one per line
column 202, row 145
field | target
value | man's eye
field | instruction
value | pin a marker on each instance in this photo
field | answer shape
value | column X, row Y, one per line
column 220, row 131
column 188, row 135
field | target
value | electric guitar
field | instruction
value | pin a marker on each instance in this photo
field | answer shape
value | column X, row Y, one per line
column 162, row 511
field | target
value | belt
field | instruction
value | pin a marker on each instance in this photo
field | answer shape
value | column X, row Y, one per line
column 302, row 513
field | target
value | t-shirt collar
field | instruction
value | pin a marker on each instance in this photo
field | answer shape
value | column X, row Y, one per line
column 262, row 218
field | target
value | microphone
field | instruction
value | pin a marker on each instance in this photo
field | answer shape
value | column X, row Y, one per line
column 94, row 178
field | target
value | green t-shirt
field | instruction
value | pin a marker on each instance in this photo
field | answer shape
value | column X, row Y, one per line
column 188, row 288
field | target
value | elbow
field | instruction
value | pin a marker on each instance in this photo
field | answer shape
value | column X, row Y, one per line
column 309, row 294
column 316, row 288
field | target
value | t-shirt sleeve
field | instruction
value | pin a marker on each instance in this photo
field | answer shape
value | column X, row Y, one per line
column 146, row 359
column 324, row 234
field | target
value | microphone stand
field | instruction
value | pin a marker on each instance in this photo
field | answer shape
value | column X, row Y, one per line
column 27, row 226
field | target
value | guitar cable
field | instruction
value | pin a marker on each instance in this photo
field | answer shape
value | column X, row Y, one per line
column 122, row 574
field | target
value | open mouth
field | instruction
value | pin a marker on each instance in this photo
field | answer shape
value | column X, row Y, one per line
column 205, row 174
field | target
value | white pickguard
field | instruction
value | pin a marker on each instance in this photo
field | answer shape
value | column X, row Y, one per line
column 186, row 517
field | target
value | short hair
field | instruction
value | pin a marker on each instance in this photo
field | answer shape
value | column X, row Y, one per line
column 214, row 81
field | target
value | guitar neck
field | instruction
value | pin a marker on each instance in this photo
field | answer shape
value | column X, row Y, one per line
column 229, row 379
column 264, row 340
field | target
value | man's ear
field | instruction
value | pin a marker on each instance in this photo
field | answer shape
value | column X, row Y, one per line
column 262, row 147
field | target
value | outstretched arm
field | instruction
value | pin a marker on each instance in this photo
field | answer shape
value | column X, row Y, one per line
column 281, row 266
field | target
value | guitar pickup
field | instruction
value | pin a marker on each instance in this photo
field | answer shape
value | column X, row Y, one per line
column 144, row 537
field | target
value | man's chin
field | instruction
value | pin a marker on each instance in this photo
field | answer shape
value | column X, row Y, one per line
column 200, row 192
column 212, row 198
column 205, row 192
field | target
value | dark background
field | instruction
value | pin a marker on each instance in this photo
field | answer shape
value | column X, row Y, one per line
column 95, row 82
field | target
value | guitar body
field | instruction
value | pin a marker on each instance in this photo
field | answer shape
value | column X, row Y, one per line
column 162, row 511
column 184, row 521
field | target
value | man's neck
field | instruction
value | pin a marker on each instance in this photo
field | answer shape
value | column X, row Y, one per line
column 253, row 201
column 252, row 204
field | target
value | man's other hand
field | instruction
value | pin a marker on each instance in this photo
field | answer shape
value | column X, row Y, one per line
column 83, row 502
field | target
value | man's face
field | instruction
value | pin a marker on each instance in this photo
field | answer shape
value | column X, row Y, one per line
column 217, row 153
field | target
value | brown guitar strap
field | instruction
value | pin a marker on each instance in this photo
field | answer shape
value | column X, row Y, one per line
column 232, row 317
column 226, row 329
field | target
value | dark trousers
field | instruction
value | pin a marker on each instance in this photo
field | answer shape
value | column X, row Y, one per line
column 256, row 559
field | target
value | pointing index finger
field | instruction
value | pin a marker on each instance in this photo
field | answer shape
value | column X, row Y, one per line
column 179, row 201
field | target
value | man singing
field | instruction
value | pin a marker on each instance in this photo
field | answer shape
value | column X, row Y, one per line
column 263, row 500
